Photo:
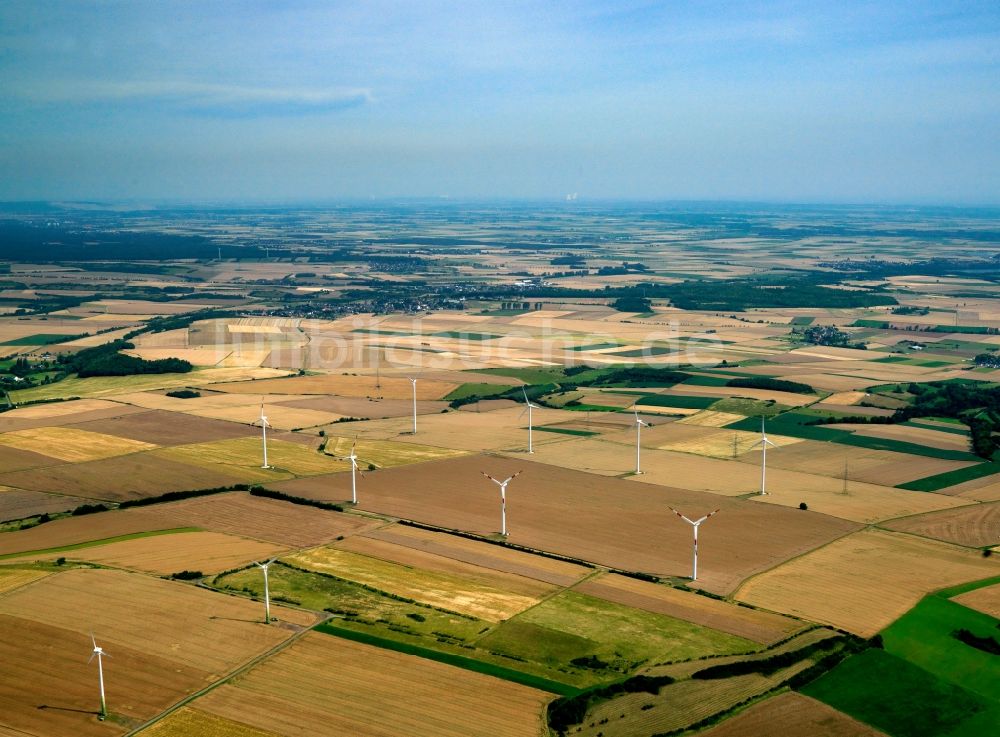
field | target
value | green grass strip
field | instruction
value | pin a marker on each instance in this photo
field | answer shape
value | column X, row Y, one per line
column 102, row 541
column 42, row 339
column 682, row 401
column 477, row 666
column 951, row 478
column 964, row 588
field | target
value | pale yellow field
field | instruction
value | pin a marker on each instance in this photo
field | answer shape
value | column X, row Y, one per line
column 71, row 444
column 843, row 398
column 197, row 356
column 458, row 587
column 190, row 722
column 386, row 453
column 786, row 398
column 986, row 600
column 280, row 417
column 244, row 456
column 12, row 578
column 100, row 386
column 720, row 444
column 709, row 418
column 866, row 580
column 58, row 409
column 345, row 385
column 209, row 552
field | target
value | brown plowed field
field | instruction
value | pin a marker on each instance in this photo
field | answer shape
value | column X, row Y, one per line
column 326, row 685
column 16, row 459
column 18, row 504
column 791, row 715
column 80, row 410
column 74, row 530
column 483, row 554
column 907, row 434
column 762, row 627
column 166, row 639
column 975, row 526
column 605, row 520
column 863, row 582
column 209, row 552
column 278, row 522
column 986, row 600
column 165, row 428
column 126, row 477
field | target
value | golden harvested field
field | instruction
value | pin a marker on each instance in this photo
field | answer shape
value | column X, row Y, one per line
column 548, row 570
column 372, row 691
column 709, row 418
column 59, row 409
column 986, row 489
column 13, row 420
column 73, row 530
column 345, row 385
column 243, row 457
column 613, row 522
column 280, row 416
column 196, row 356
column 976, row 526
column 362, row 407
column 11, row 578
column 908, row 434
column 386, row 453
column 720, row 444
column 842, row 398
column 102, row 386
column 761, row 627
column 209, row 552
column 427, row 577
column 167, row 640
column 71, row 444
column 239, row 513
column 986, row 600
column 792, row 715
column 190, row 722
column 864, row 581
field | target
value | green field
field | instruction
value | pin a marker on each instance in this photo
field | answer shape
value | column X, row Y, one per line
column 754, row 409
column 567, row 431
column 527, row 375
column 476, row 390
column 923, row 637
column 42, row 339
column 901, row 699
column 592, row 347
column 682, row 401
column 950, row 478
column 652, row 350
column 802, row 320
column 699, row 380
column 465, row 336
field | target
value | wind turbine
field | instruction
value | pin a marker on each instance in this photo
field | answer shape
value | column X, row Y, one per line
column 264, row 424
column 267, row 592
column 639, row 424
column 695, row 524
column 503, row 498
column 99, row 654
column 763, row 443
column 527, row 408
column 413, row 381
column 353, row 458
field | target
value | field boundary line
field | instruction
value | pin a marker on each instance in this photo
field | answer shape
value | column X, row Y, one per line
column 239, row 670
column 102, row 541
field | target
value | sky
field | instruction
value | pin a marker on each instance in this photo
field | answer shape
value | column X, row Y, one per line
column 838, row 102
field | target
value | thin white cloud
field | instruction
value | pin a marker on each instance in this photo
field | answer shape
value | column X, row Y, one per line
column 197, row 96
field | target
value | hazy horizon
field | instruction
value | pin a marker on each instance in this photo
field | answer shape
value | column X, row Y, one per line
column 852, row 104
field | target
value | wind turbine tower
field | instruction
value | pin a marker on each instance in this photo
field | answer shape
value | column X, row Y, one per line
column 763, row 443
column 267, row 592
column 528, row 406
column 695, row 524
column 264, row 424
column 413, row 381
column 353, row 458
column 503, row 498
column 99, row 654
column 639, row 424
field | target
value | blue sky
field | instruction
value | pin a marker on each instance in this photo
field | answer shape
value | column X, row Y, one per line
column 279, row 101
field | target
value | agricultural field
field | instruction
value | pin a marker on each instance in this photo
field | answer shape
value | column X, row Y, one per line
column 453, row 494
column 985, row 600
column 71, row 444
column 297, row 690
column 242, row 457
column 864, row 581
column 974, row 526
column 792, row 714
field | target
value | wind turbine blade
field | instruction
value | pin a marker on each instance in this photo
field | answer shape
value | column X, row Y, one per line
column 525, row 393
column 516, row 475
column 489, row 477
column 681, row 516
column 711, row 513
column 91, row 658
column 93, row 641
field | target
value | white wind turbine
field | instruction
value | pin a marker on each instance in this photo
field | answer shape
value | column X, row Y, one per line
column 763, row 443
column 503, row 498
column 267, row 592
column 353, row 458
column 264, row 424
column 413, row 381
column 99, row 654
column 528, row 406
column 639, row 424
column 695, row 524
